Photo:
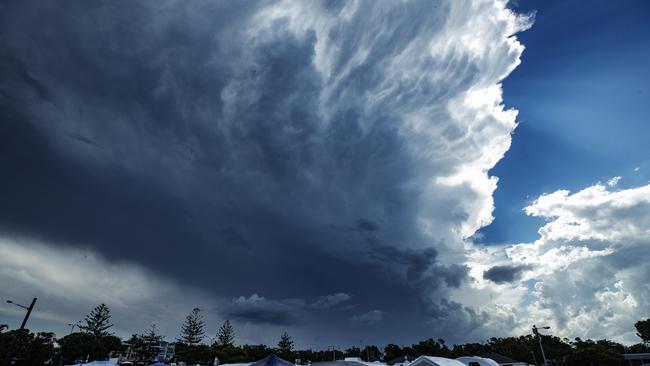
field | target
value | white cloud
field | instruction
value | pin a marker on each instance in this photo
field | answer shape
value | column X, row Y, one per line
column 590, row 266
column 69, row 282
column 614, row 181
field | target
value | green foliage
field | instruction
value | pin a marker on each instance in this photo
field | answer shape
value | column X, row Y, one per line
column 150, row 340
column 255, row 352
column 29, row 348
column 98, row 321
column 144, row 346
column 225, row 335
column 353, row 352
column 82, row 346
column 371, row 353
column 430, row 347
column 392, row 351
column 95, row 343
column 193, row 329
column 233, row 354
column 285, row 346
column 639, row 348
column 474, row 349
column 319, row 355
column 194, row 354
column 518, row 348
column 599, row 353
column 643, row 330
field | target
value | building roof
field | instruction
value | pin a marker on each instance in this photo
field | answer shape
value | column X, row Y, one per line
column 636, row 356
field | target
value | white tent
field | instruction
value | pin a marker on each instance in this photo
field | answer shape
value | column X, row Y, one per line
column 435, row 361
column 474, row 360
column 97, row 363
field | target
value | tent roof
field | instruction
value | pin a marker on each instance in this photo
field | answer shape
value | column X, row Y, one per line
column 436, row 361
column 272, row 360
column 399, row 359
column 481, row 360
column 499, row 358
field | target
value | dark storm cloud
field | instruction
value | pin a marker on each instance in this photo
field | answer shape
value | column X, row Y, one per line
column 137, row 117
column 216, row 146
column 366, row 225
column 370, row 318
column 259, row 310
column 421, row 266
column 504, row 274
column 330, row 301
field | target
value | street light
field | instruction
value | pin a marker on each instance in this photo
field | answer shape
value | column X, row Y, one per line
column 22, row 327
column 22, row 306
column 28, row 308
column 539, row 338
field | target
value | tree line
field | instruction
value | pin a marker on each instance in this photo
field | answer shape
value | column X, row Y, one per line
column 95, row 341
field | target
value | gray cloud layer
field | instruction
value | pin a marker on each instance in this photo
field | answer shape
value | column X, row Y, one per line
column 335, row 151
column 504, row 274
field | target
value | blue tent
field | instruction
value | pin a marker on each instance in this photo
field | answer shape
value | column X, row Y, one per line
column 272, row 360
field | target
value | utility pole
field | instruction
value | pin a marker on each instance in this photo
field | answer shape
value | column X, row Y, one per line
column 29, row 309
column 539, row 338
column 333, row 353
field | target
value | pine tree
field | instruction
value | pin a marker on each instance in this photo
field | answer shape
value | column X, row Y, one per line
column 286, row 344
column 193, row 329
column 98, row 321
column 150, row 340
column 226, row 335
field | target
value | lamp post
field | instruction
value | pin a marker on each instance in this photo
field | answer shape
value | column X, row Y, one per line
column 28, row 308
column 22, row 327
column 539, row 338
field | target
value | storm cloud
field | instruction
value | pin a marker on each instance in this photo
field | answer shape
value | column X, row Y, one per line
column 331, row 157
column 503, row 274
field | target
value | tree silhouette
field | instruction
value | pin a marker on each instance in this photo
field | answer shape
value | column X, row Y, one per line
column 98, row 321
column 150, row 340
column 193, row 329
column 643, row 330
column 285, row 345
column 226, row 335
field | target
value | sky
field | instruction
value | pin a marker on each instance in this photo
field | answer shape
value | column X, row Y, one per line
column 348, row 172
column 581, row 92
